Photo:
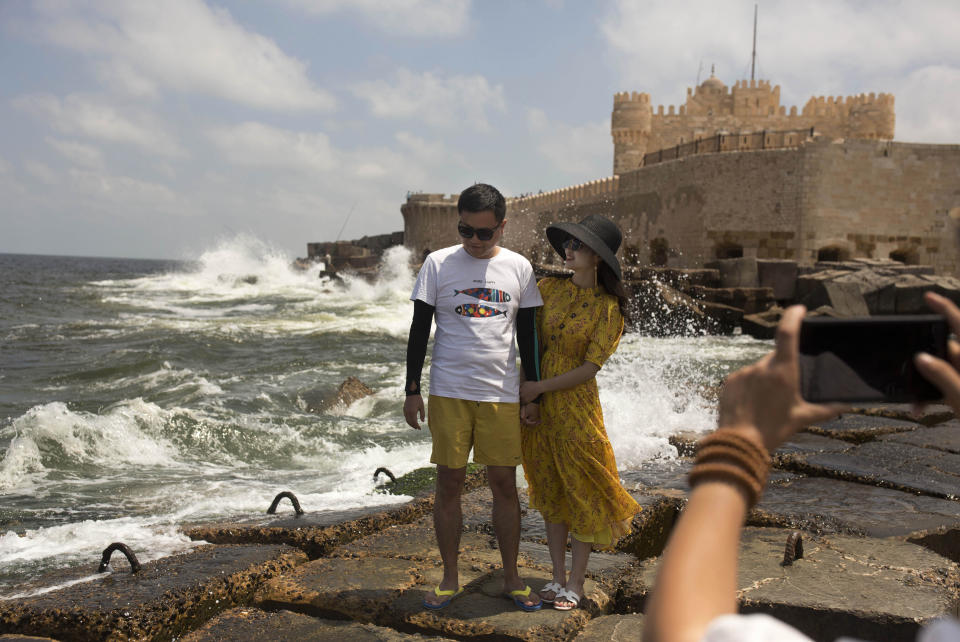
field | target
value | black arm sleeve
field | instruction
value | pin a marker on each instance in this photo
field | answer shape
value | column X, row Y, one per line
column 417, row 344
column 528, row 344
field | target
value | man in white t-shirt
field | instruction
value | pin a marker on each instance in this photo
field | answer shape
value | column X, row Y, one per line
column 482, row 295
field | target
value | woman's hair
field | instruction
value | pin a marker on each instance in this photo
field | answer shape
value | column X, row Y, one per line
column 614, row 286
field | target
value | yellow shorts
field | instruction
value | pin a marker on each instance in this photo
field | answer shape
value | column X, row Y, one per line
column 491, row 428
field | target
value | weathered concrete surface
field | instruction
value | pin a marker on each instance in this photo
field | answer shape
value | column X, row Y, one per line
column 805, row 442
column 612, row 628
column 945, row 436
column 929, row 415
column 381, row 579
column 887, row 464
column 23, row 638
column 861, row 587
column 317, row 533
column 246, row 624
column 857, row 428
column 167, row 598
column 829, row 505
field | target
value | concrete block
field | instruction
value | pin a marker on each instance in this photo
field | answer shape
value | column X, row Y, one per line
column 736, row 273
column 780, row 275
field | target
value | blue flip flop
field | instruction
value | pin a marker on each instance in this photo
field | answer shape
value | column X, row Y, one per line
column 449, row 595
column 518, row 596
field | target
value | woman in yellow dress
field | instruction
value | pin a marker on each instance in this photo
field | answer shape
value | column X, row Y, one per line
column 567, row 458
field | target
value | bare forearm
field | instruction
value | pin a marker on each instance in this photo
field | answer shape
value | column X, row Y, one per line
column 697, row 579
column 571, row 378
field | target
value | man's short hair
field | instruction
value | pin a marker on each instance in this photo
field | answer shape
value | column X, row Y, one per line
column 482, row 198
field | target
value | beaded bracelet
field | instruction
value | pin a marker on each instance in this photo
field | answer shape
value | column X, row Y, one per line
column 730, row 457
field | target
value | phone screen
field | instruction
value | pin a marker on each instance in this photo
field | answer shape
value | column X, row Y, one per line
column 869, row 359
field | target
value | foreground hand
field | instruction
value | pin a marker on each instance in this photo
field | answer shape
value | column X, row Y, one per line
column 529, row 390
column 530, row 414
column 763, row 400
column 943, row 374
column 412, row 407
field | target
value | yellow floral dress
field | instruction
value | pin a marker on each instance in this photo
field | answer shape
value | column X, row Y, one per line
column 567, row 458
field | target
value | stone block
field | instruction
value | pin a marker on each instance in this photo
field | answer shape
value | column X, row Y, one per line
column 167, row 598
column 736, row 273
column 247, row 623
column 810, row 290
column 860, row 428
column 760, row 326
column 909, row 292
column 724, row 319
column 889, row 465
column 876, row 287
column 930, row 415
column 865, row 588
column 613, row 628
column 846, row 299
column 779, row 275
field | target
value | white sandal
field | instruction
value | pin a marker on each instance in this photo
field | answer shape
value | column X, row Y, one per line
column 555, row 588
column 567, row 596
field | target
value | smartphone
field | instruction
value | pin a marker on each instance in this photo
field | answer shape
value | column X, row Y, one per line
column 869, row 359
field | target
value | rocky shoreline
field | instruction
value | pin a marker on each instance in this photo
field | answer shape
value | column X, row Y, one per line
column 872, row 494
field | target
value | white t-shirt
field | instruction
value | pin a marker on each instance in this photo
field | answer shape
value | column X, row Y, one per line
column 476, row 301
column 760, row 627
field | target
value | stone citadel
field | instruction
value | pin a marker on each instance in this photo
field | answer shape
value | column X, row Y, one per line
column 732, row 173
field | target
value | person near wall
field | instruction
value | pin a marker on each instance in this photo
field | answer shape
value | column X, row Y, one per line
column 567, row 458
column 483, row 296
column 694, row 597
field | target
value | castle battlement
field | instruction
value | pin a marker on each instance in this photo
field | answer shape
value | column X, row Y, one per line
column 748, row 106
column 600, row 188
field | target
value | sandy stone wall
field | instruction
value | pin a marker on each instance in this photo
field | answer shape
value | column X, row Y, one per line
column 747, row 107
column 825, row 199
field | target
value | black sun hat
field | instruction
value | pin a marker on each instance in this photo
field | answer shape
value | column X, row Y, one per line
column 597, row 232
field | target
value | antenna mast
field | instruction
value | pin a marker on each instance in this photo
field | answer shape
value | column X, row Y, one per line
column 753, row 58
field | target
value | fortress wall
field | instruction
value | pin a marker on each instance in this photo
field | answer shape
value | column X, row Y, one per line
column 429, row 222
column 688, row 209
column 872, row 198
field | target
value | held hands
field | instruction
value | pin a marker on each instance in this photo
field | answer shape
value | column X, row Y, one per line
column 763, row 401
column 412, row 407
column 530, row 390
column 940, row 373
column 529, row 414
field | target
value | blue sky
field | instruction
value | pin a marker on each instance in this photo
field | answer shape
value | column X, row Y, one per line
column 157, row 129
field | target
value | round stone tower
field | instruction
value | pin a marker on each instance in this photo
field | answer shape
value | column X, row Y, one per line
column 630, row 125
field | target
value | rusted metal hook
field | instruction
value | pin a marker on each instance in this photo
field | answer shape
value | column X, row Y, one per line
column 386, row 472
column 794, row 548
column 123, row 548
column 293, row 500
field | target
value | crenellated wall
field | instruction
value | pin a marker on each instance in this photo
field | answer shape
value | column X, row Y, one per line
column 747, row 107
column 860, row 198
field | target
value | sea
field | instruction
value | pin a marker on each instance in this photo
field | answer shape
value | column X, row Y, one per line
column 137, row 396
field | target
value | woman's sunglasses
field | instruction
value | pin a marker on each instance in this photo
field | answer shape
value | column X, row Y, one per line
column 483, row 233
column 572, row 244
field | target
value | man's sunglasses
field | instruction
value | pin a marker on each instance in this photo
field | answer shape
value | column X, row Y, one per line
column 483, row 233
column 572, row 244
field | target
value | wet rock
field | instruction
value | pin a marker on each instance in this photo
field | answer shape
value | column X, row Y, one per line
column 245, row 624
column 318, row 533
column 351, row 390
column 660, row 310
column 650, row 528
column 866, row 588
column 929, row 415
column 167, row 598
column 423, row 481
column 780, row 275
column 612, row 628
column 666, row 477
column 750, row 300
column 736, row 273
column 830, row 505
column 24, row 638
column 887, row 464
column 724, row 319
column 685, row 442
column 807, row 443
column 944, row 437
column 860, row 428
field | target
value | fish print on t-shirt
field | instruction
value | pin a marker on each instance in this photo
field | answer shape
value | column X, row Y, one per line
column 478, row 310
column 485, row 294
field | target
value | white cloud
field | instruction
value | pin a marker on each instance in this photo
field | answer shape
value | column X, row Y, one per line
column 5, row 166
column 452, row 101
column 82, row 115
column 127, row 197
column 42, row 172
column 820, row 47
column 182, row 45
column 77, row 153
column 416, row 18
column 926, row 105
column 578, row 150
column 256, row 144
